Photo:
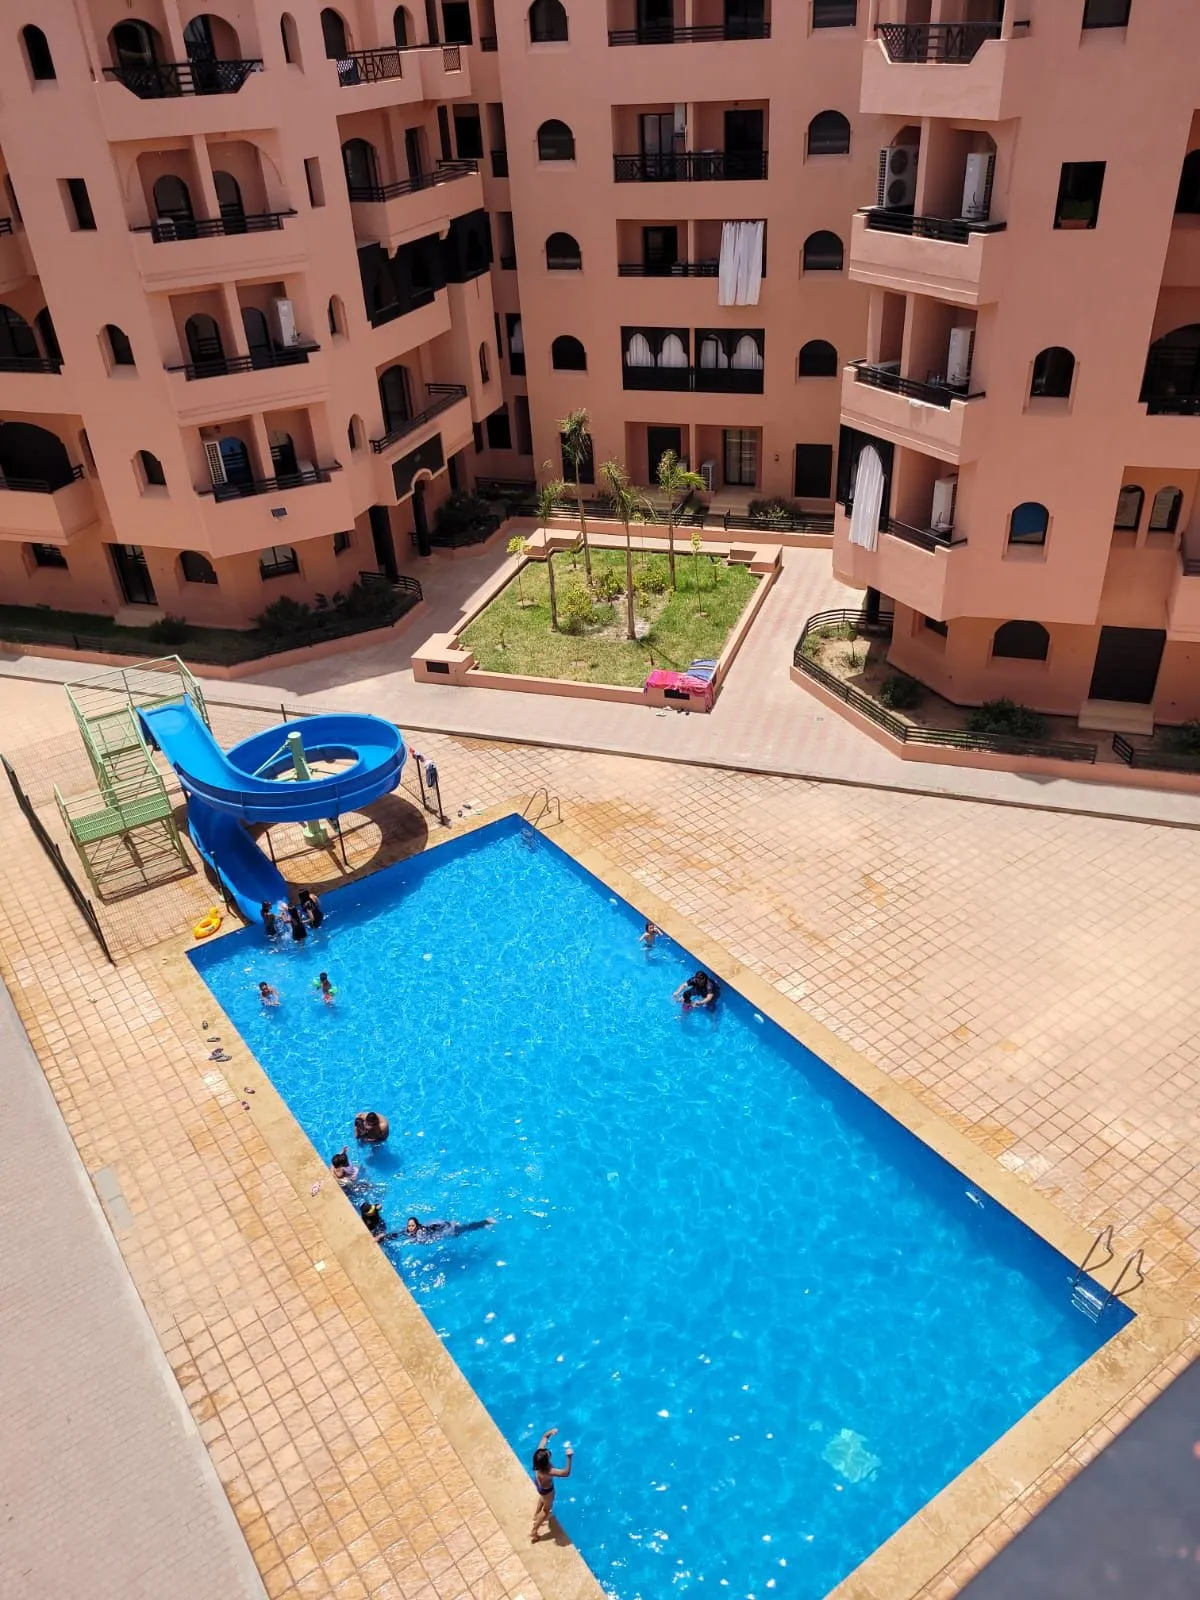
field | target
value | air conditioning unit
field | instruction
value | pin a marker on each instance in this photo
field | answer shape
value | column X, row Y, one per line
column 285, row 322
column 897, row 188
column 977, row 186
column 942, row 517
column 215, row 461
column 958, row 358
column 708, row 471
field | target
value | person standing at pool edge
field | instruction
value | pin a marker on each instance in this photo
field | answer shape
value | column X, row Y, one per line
column 544, row 1474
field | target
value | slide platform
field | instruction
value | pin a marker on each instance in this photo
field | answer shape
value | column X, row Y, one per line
column 230, row 789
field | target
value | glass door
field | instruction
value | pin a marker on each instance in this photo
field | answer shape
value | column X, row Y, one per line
column 660, row 251
column 655, row 21
column 133, row 574
column 658, row 145
column 741, row 457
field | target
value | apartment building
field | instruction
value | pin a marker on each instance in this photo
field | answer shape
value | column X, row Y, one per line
column 1020, row 449
column 246, row 323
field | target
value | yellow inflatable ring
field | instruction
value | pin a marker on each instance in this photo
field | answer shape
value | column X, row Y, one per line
column 208, row 924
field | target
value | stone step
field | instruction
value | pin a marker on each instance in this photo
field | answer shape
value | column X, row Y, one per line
column 1116, row 716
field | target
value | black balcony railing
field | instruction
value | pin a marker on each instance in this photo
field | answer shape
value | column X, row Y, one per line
column 951, row 42
column 924, row 538
column 668, row 269
column 369, row 66
column 30, row 364
column 700, row 380
column 41, row 485
column 950, row 230
column 164, row 80
column 499, row 163
column 253, row 486
column 488, row 43
column 441, row 397
column 292, row 355
column 6, row 225
column 444, row 172
column 165, row 230
column 933, row 394
column 668, row 33
column 691, row 166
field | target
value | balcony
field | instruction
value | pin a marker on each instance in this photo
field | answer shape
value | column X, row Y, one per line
column 162, row 80
column 224, row 366
column 255, row 486
column 1183, row 599
column 186, row 99
column 691, row 166
column 947, row 69
column 229, row 386
column 930, row 417
column 441, row 397
column 698, row 380
column 913, row 565
column 46, row 512
column 245, row 517
column 50, row 364
column 388, row 213
column 668, row 33
column 671, row 269
column 950, row 258
column 207, row 250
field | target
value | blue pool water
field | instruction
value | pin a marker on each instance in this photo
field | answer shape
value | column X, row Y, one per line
column 771, row 1321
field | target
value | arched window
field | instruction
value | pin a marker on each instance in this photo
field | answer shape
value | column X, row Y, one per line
column 333, row 31
column 1172, row 379
column 172, row 199
column 1129, row 509
column 1164, row 510
column 150, row 470
column 547, row 22
column 563, row 253
column 354, row 433
column 135, row 47
column 1053, row 374
column 33, row 453
column 1187, row 201
column 362, row 168
column 567, row 354
column 16, row 338
column 1028, row 523
column 555, row 142
column 195, row 568
column 291, row 39
column 485, row 366
column 402, row 28
column 747, row 354
column 823, row 252
column 37, row 53
column 818, row 359
column 336, row 314
column 205, row 347
column 1021, row 641
column 395, row 397
column 828, row 134
column 229, row 202
column 673, row 352
column 120, row 351
column 259, row 344
column 45, row 328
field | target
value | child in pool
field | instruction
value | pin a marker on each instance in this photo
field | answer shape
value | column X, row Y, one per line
column 325, row 988
column 650, row 935
column 268, row 995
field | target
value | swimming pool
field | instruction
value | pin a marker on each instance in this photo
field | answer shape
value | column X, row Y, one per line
column 772, row 1322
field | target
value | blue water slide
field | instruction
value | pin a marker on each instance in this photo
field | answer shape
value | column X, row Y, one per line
column 228, row 789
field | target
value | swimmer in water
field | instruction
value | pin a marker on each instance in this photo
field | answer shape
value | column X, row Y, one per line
column 326, row 988
column 429, row 1232
column 544, row 1474
column 344, row 1170
column 299, row 931
column 373, row 1217
column 371, row 1128
column 699, row 990
column 268, row 996
column 310, row 909
column 269, row 920
column 651, row 933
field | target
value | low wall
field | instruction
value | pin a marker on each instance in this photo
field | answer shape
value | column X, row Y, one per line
column 1114, row 772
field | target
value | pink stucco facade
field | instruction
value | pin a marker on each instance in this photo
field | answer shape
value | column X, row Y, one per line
column 1030, row 378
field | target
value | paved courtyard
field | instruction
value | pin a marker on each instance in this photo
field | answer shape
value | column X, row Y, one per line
column 1027, row 973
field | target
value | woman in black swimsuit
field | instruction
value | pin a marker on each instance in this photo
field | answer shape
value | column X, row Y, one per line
column 699, row 990
column 544, row 1474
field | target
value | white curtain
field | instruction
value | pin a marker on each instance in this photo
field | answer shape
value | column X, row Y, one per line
column 739, row 274
column 746, row 355
column 711, row 354
column 672, row 354
column 868, row 499
column 639, row 353
column 516, row 339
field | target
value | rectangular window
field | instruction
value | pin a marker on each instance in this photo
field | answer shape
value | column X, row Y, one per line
column 47, row 555
column 508, row 245
column 468, row 133
column 814, row 471
column 516, row 345
column 521, row 422
column 342, row 542
column 312, row 177
column 443, row 119
column 1105, row 13
column 935, row 626
column 741, row 457
column 278, row 561
column 835, row 13
column 499, row 337
column 1079, row 189
column 499, row 431
column 80, row 217
column 456, row 22
column 477, row 437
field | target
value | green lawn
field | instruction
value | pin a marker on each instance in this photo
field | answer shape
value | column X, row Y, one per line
column 685, row 626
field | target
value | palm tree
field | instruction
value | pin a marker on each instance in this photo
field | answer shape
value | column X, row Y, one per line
column 629, row 505
column 576, row 432
column 675, row 479
column 552, row 493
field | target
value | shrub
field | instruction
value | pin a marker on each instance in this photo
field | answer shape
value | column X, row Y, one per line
column 650, row 581
column 1184, row 740
column 776, row 509
column 575, row 609
column 286, row 618
column 1007, row 718
column 811, row 648
column 168, row 630
column 835, row 630
column 461, row 511
column 367, row 601
column 607, row 584
column 900, row 692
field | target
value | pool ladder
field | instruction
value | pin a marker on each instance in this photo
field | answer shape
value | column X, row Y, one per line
column 550, row 807
column 1086, row 1299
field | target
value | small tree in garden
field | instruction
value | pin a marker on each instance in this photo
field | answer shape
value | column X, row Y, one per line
column 576, row 431
column 551, row 494
column 629, row 505
column 676, row 482
column 516, row 547
column 696, row 568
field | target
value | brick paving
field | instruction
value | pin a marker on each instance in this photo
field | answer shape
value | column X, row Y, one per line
column 1027, row 974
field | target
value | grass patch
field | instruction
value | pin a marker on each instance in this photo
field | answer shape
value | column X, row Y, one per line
column 685, row 625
